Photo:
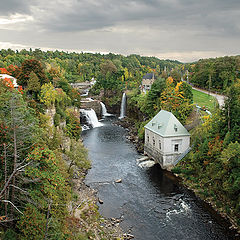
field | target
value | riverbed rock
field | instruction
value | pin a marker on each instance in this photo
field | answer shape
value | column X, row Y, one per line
column 145, row 158
column 118, row 180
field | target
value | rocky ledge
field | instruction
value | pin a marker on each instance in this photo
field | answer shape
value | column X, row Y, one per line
column 132, row 136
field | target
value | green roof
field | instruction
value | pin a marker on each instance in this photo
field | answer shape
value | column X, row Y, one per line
column 166, row 124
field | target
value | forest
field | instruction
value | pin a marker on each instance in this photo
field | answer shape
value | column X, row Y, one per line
column 39, row 116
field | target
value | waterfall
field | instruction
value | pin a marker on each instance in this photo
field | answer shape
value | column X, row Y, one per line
column 123, row 106
column 104, row 110
column 91, row 117
column 85, row 93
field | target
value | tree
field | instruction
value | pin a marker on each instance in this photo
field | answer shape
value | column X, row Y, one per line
column 33, row 85
column 109, row 78
column 20, row 134
column 78, row 156
column 172, row 99
column 29, row 66
column 48, row 95
column 232, row 107
column 230, row 158
column 176, row 76
column 154, row 94
column 108, row 67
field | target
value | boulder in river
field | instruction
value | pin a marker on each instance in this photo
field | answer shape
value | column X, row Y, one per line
column 118, row 180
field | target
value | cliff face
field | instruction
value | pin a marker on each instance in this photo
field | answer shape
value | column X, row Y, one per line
column 94, row 104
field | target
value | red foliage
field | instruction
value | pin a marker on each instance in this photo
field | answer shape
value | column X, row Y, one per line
column 13, row 70
column 4, row 71
column 8, row 82
column 28, row 66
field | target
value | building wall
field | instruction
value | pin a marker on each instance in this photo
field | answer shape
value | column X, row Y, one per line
column 163, row 149
column 147, row 84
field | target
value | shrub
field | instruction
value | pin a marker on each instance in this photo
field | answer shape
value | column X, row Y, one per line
column 56, row 120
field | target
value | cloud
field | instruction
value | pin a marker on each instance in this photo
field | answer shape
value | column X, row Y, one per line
column 15, row 6
column 15, row 22
column 147, row 27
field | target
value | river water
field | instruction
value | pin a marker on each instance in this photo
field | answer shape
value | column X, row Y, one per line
column 150, row 201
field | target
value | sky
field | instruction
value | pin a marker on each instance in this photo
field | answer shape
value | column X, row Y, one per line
column 184, row 30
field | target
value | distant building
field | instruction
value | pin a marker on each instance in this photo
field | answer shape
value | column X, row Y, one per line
column 166, row 139
column 147, row 81
column 14, row 80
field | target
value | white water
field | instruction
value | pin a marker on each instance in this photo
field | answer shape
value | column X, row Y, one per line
column 181, row 208
column 123, row 106
column 104, row 110
column 85, row 93
column 85, row 127
column 92, row 118
column 146, row 164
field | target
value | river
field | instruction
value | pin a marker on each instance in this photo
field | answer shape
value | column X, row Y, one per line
column 150, row 201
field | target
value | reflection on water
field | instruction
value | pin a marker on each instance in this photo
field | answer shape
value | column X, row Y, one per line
column 151, row 203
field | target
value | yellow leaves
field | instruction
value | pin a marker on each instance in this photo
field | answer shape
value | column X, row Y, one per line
column 178, row 86
column 169, row 81
column 206, row 122
column 48, row 94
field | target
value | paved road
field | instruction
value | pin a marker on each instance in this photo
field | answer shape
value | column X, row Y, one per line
column 220, row 98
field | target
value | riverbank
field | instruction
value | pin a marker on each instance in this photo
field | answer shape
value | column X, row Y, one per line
column 85, row 218
column 210, row 205
column 132, row 135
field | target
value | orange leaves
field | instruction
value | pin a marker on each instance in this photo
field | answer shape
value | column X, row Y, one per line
column 8, row 82
column 215, row 147
column 4, row 71
column 169, row 81
column 20, row 89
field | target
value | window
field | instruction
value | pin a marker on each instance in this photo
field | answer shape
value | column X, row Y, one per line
column 175, row 127
column 147, row 138
column 153, row 142
column 176, row 148
column 160, row 145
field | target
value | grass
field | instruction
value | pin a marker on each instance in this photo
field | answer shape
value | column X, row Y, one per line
column 203, row 99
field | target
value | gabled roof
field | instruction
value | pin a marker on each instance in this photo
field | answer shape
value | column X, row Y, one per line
column 166, row 124
column 148, row 76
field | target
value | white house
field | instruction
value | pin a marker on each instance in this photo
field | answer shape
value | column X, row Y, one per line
column 14, row 80
column 166, row 139
column 147, row 81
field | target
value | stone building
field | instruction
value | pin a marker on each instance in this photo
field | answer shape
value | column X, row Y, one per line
column 166, row 139
column 147, row 81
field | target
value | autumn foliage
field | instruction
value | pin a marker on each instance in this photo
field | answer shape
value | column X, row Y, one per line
column 29, row 66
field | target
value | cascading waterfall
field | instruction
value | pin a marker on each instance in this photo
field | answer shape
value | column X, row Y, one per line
column 104, row 110
column 91, row 117
column 123, row 106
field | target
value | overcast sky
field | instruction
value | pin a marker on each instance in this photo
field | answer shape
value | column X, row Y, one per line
column 184, row 30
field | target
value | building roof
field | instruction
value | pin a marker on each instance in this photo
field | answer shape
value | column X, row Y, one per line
column 166, row 124
column 14, row 80
column 148, row 76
